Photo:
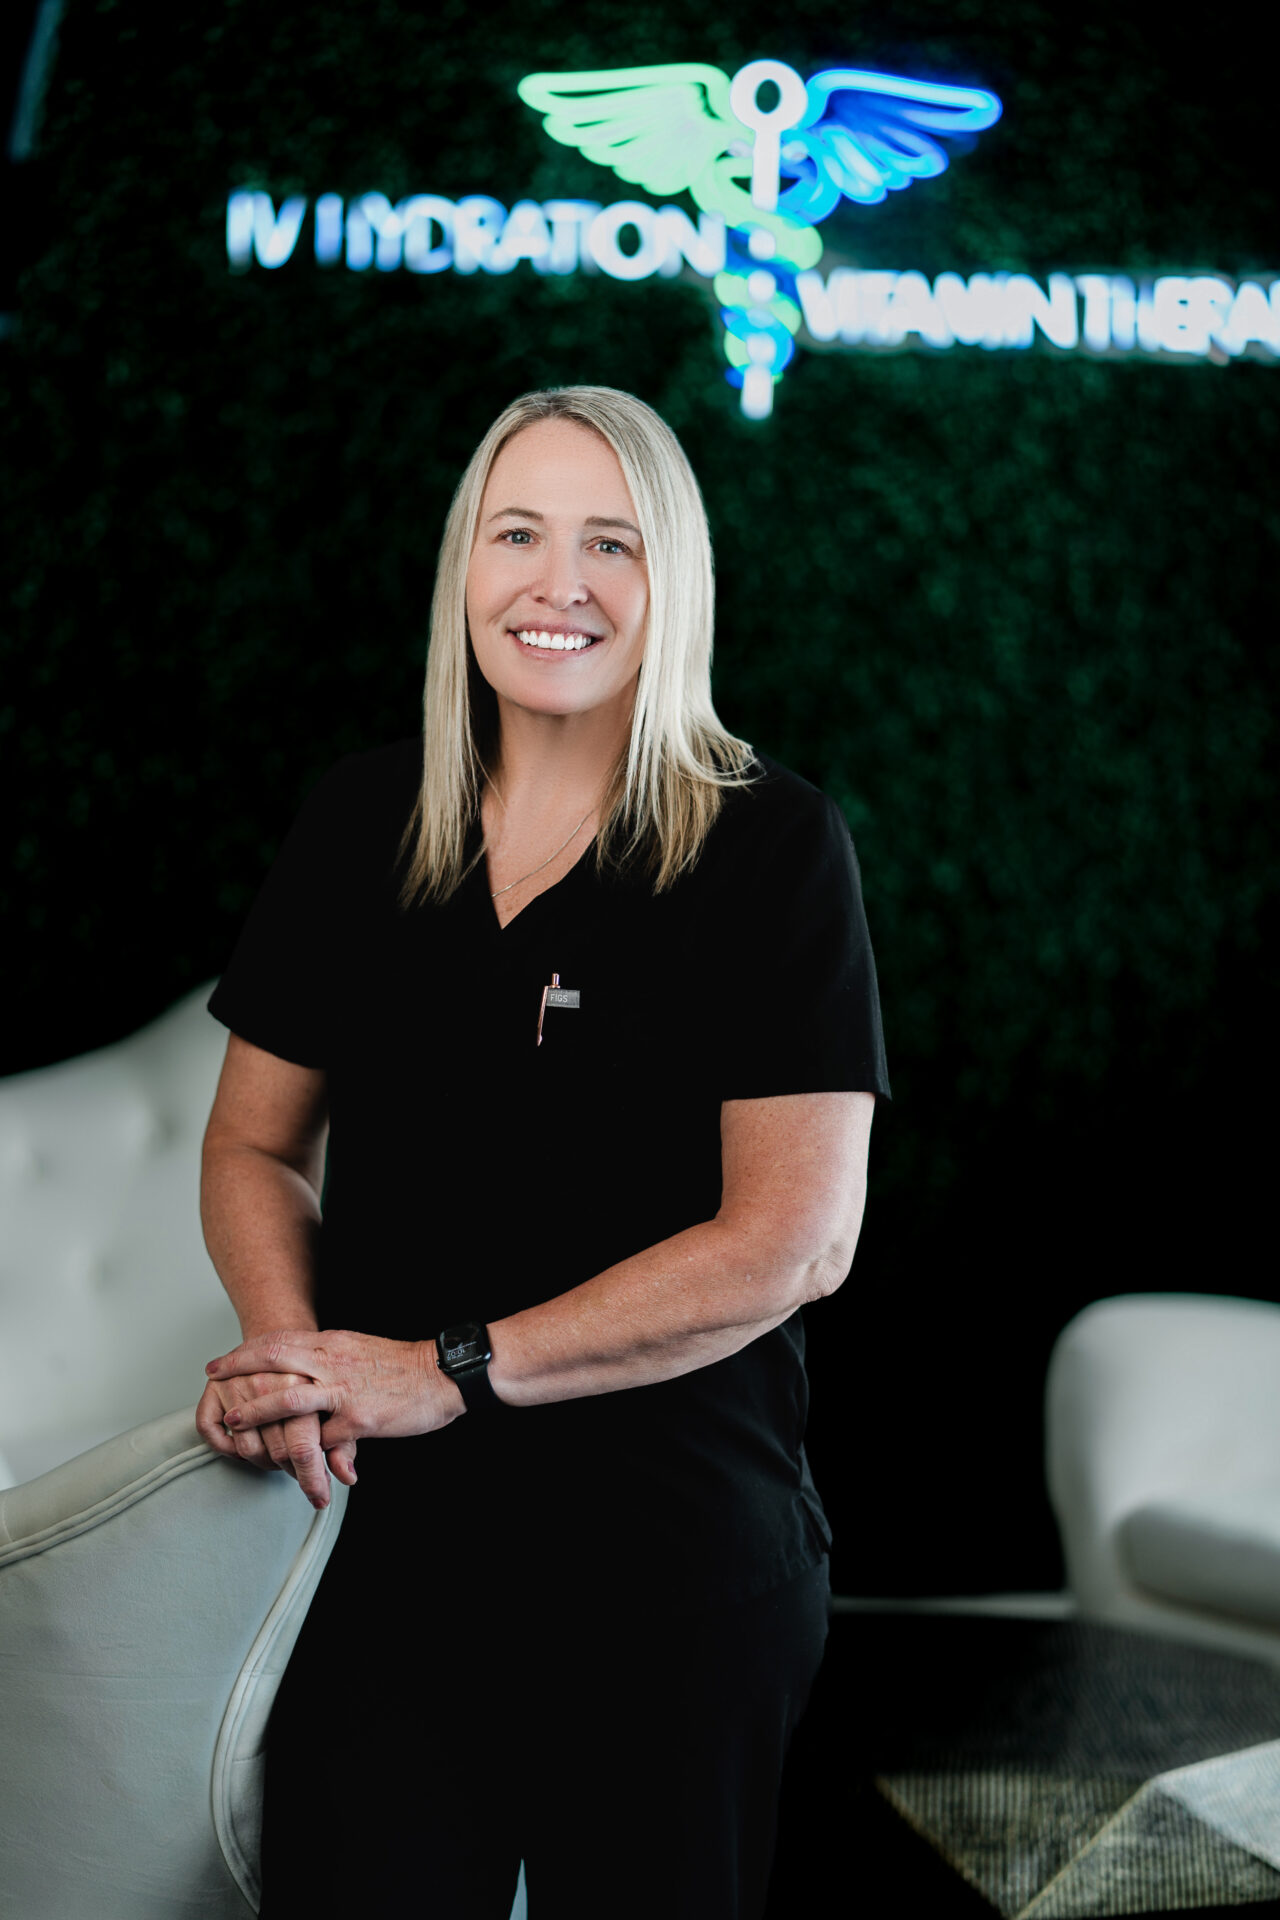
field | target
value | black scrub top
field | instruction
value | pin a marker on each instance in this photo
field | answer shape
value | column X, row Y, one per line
column 473, row 1173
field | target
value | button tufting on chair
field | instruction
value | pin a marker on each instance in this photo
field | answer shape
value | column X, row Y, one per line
column 109, row 1303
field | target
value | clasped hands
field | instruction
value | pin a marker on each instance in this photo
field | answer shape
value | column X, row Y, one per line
column 303, row 1401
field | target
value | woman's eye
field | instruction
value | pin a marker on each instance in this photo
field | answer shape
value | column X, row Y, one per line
column 523, row 537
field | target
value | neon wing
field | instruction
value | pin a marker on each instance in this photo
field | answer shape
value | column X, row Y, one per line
column 865, row 135
column 658, row 127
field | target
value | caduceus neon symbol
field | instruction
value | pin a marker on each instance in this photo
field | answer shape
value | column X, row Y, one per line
column 846, row 134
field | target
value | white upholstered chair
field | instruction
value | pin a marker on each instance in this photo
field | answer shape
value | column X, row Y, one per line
column 1163, row 1454
column 150, row 1590
column 109, row 1303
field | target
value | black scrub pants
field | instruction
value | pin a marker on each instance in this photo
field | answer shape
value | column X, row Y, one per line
column 426, row 1738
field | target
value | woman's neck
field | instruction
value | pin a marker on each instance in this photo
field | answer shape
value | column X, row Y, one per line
column 546, row 763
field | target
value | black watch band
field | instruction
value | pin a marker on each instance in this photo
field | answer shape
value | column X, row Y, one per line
column 464, row 1354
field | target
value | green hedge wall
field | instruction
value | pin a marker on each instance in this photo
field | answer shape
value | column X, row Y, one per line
column 1013, row 610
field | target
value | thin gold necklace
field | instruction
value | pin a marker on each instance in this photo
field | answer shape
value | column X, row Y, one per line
column 542, row 863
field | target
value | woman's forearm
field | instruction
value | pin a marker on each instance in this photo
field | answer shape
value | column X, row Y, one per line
column 792, row 1194
column 794, row 1184
column 682, row 1304
column 261, row 1220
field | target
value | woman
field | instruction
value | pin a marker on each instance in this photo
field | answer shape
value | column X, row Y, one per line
column 597, row 1129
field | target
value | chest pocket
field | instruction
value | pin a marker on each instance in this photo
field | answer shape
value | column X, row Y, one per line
column 633, row 1030
column 590, row 1042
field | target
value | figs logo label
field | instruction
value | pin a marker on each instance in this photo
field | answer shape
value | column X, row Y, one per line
column 765, row 157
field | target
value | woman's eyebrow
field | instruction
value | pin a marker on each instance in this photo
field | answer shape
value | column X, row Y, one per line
column 592, row 519
column 597, row 520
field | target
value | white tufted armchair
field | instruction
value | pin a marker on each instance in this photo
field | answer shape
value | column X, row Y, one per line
column 150, row 1590
column 109, row 1303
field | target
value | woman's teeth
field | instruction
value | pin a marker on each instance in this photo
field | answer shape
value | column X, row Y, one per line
column 561, row 642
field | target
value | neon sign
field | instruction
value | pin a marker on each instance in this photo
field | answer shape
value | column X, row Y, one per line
column 762, row 178
column 846, row 134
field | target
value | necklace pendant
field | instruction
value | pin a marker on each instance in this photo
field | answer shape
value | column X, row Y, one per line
column 555, row 996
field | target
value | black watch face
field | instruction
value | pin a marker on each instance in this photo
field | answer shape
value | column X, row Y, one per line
column 466, row 1345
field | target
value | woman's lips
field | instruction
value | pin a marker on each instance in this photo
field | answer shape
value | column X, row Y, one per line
column 553, row 640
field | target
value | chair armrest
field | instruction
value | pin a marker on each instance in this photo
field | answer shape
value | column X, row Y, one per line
column 150, row 1595
column 1219, row 1553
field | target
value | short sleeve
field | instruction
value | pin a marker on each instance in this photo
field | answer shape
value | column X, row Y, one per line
column 280, row 988
column 802, row 1010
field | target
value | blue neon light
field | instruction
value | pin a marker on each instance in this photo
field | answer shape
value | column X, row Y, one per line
column 967, row 109
column 872, row 141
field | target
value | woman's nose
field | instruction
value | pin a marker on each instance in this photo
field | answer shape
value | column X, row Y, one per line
column 560, row 582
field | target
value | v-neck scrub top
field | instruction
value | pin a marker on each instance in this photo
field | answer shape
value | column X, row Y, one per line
column 473, row 1173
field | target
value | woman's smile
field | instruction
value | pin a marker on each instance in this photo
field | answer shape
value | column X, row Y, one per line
column 554, row 639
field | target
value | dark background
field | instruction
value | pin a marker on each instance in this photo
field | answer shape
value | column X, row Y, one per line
column 1013, row 610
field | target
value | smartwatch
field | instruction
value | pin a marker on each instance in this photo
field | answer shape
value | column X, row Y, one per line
column 464, row 1354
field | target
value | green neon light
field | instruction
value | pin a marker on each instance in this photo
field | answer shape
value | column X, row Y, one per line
column 658, row 127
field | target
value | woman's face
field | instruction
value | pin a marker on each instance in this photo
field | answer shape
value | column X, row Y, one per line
column 557, row 585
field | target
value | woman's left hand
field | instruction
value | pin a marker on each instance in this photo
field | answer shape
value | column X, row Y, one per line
column 368, row 1387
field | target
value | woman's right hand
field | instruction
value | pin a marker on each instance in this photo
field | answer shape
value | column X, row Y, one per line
column 292, row 1445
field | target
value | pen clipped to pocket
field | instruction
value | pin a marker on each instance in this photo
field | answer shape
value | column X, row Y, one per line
column 555, row 995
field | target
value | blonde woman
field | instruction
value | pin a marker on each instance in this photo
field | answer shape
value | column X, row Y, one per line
column 576, row 990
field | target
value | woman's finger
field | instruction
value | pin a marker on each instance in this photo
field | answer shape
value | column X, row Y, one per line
column 211, row 1425
column 242, row 1389
column 277, row 1446
column 282, row 1352
column 251, row 1450
column 250, row 1446
column 265, row 1448
column 307, row 1458
column 210, row 1414
column 305, row 1399
column 342, row 1461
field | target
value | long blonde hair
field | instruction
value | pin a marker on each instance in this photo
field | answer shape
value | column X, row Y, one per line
column 668, row 786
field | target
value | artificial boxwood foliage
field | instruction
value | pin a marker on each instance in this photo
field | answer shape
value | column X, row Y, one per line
column 1012, row 609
